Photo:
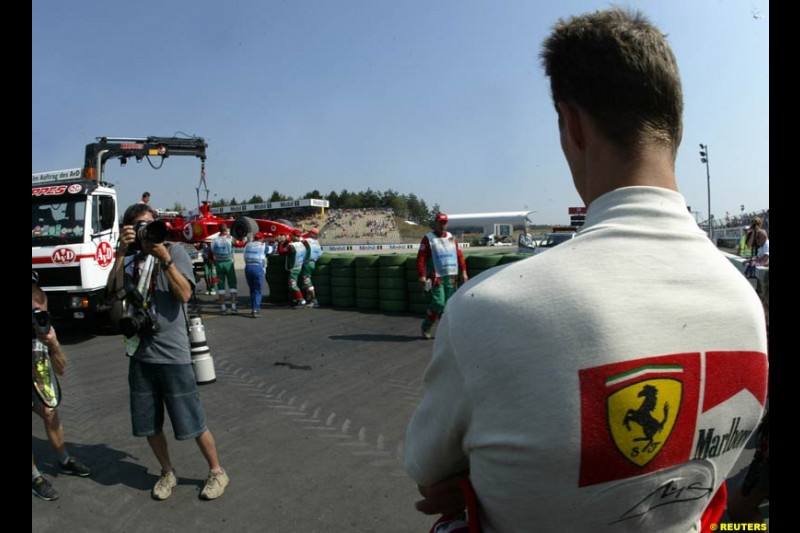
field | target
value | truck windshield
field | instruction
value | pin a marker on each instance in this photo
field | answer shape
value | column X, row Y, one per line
column 57, row 221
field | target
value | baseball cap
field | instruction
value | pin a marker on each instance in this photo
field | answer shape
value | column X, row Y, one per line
column 296, row 232
column 441, row 217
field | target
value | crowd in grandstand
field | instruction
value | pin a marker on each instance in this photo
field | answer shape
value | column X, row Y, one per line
column 743, row 219
column 361, row 226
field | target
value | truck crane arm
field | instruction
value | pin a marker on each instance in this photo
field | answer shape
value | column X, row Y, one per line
column 97, row 153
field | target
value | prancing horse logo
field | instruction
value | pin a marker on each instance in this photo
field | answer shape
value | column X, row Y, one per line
column 640, row 419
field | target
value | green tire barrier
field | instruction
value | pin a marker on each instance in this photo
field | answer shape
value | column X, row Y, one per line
column 391, row 272
column 482, row 261
column 342, row 272
column 392, row 283
column 278, row 297
column 417, row 308
column 342, row 260
column 366, row 261
column 323, row 293
column 367, row 293
column 342, row 292
column 366, row 283
column 342, row 282
column 343, row 302
column 322, row 290
column 392, row 260
column 397, row 295
column 391, row 306
column 367, row 303
column 423, row 298
column 324, row 260
column 367, row 272
column 511, row 258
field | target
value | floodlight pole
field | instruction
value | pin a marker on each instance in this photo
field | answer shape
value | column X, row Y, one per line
column 704, row 159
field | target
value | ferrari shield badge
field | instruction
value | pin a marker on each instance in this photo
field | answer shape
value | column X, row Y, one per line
column 641, row 417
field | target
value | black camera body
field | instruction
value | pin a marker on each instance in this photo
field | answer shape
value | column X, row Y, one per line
column 154, row 232
column 142, row 322
column 41, row 321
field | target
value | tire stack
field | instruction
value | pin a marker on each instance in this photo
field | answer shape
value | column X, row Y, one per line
column 366, row 281
column 343, row 292
column 418, row 299
column 479, row 263
column 392, row 283
column 278, row 280
column 322, row 280
column 513, row 257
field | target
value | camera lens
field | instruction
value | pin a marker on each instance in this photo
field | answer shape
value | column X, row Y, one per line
column 153, row 232
column 41, row 321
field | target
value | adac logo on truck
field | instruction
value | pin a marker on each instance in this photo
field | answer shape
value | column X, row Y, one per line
column 63, row 256
column 104, row 255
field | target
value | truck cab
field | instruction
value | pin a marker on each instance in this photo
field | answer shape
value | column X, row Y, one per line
column 74, row 233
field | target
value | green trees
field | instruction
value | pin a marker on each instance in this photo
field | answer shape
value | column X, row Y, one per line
column 408, row 206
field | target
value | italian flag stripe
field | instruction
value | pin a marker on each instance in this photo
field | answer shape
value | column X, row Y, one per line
column 641, row 371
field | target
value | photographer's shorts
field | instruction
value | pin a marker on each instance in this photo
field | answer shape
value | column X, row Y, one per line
column 155, row 386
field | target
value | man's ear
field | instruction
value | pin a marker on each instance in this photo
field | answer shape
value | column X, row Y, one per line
column 572, row 123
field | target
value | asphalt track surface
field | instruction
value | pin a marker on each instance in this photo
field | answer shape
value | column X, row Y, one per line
column 309, row 412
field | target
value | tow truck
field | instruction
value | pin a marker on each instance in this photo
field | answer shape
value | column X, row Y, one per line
column 75, row 221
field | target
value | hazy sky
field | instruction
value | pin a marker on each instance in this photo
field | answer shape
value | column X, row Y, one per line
column 444, row 99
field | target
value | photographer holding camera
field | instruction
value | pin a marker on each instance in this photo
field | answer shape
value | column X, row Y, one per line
column 45, row 393
column 157, row 281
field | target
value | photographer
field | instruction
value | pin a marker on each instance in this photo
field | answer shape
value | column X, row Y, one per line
column 160, row 371
column 46, row 335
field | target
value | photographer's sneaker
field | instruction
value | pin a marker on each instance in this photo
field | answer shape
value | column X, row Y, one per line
column 163, row 487
column 215, row 485
column 74, row 467
column 41, row 488
column 426, row 333
column 224, row 310
column 234, row 310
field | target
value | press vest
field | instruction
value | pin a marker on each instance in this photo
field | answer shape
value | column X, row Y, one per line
column 222, row 247
column 254, row 253
column 444, row 254
column 296, row 256
column 314, row 249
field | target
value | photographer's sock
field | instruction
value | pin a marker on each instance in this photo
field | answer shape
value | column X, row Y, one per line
column 35, row 473
column 63, row 456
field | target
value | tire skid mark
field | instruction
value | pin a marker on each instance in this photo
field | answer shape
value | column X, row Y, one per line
column 293, row 406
